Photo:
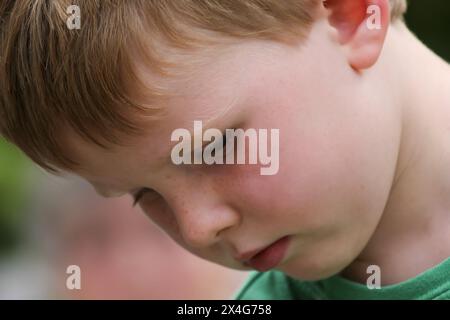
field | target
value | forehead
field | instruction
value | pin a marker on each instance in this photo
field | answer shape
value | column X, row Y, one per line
column 213, row 92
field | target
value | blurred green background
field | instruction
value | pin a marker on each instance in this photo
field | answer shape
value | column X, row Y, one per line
column 429, row 20
column 13, row 194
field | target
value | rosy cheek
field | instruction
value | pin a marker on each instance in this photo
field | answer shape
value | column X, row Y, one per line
column 248, row 190
column 159, row 212
column 290, row 192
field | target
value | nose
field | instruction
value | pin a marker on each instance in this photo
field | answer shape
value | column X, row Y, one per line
column 202, row 224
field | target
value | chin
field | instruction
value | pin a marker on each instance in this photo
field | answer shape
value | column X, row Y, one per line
column 233, row 265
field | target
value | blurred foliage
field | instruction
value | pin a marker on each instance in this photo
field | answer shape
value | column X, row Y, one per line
column 13, row 167
column 430, row 21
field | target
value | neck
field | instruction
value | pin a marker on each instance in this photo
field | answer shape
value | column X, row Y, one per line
column 413, row 234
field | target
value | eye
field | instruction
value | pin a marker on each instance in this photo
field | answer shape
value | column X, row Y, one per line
column 229, row 144
column 140, row 193
column 223, row 146
column 224, row 141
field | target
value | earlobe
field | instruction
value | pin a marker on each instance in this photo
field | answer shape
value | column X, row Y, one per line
column 362, row 27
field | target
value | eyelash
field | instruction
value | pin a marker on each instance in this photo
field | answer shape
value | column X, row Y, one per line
column 224, row 141
column 141, row 192
column 138, row 195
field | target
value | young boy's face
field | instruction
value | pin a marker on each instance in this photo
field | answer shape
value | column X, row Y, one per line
column 337, row 156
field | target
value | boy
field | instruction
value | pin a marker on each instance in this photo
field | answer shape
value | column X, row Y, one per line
column 362, row 109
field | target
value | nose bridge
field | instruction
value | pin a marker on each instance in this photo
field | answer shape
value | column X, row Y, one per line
column 200, row 212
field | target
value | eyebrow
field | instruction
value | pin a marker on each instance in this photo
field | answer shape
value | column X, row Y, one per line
column 207, row 124
column 212, row 123
column 206, row 142
column 218, row 117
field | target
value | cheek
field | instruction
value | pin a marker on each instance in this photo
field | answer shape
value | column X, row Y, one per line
column 318, row 186
column 160, row 214
column 278, row 203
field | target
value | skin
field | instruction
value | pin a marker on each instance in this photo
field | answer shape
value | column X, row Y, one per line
column 364, row 121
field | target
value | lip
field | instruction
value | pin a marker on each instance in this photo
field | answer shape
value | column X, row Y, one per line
column 266, row 258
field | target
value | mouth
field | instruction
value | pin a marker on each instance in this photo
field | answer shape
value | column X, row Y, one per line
column 266, row 258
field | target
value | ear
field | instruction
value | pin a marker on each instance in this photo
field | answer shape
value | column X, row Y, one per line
column 362, row 27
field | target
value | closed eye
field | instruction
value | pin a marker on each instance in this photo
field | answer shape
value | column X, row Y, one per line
column 221, row 144
column 139, row 194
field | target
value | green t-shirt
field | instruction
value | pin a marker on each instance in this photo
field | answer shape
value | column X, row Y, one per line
column 433, row 284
